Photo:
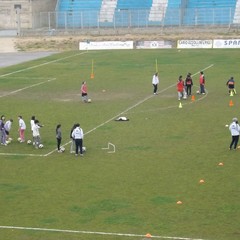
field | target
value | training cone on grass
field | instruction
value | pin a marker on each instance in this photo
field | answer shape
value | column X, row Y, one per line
column 179, row 202
column 231, row 103
column 148, row 235
column 201, row 181
column 220, row 164
column 92, row 76
column 193, row 98
column 180, row 105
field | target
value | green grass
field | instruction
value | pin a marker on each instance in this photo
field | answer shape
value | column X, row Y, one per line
column 161, row 153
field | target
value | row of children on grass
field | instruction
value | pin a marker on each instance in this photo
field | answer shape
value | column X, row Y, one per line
column 76, row 133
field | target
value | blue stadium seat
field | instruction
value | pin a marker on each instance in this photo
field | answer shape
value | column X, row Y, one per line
column 203, row 12
column 133, row 13
column 77, row 13
column 173, row 12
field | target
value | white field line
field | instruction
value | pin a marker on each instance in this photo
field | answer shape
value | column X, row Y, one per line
column 19, row 154
column 95, row 233
column 31, row 86
column 130, row 108
column 42, row 64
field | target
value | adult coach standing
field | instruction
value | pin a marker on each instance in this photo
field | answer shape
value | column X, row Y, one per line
column 77, row 135
column 235, row 130
column 155, row 82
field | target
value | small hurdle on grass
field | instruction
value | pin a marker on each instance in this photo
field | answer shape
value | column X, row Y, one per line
column 109, row 146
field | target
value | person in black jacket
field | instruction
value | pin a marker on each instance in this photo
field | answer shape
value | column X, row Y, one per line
column 188, row 84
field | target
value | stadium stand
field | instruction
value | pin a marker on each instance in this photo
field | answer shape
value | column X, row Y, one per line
column 132, row 13
column 173, row 12
column 77, row 13
column 157, row 11
column 107, row 10
column 202, row 12
column 142, row 13
column 236, row 19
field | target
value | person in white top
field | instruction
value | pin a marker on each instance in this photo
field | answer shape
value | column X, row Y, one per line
column 77, row 135
column 32, row 122
column 235, row 130
column 155, row 82
column 7, row 127
column 22, row 128
column 36, row 133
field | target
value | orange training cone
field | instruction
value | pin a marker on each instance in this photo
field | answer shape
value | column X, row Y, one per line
column 92, row 75
column 231, row 103
column 193, row 98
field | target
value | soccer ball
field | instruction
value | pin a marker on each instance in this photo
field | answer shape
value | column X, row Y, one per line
column 84, row 149
column 7, row 142
column 197, row 92
column 29, row 141
column 10, row 139
column 40, row 145
column 89, row 100
column 19, row 139
column 62, row 149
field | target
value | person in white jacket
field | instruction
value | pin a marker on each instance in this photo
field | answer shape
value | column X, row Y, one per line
column 77, row 135
column 235, row 130
column 155, row 82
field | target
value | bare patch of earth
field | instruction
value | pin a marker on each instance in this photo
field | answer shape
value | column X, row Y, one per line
column 71, row 41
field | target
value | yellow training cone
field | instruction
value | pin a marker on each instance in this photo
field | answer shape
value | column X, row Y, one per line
column 180, row 105
column 179, row 202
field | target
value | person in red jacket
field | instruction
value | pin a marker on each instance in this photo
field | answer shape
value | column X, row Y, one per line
column 202, row 83
column 180, row 88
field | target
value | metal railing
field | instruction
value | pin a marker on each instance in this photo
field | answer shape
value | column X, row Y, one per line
column 139, row 18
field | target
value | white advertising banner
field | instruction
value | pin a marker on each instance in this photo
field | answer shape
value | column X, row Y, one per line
column 153, row 44
column 194, row 44
column 229, row 43
column 107, row 45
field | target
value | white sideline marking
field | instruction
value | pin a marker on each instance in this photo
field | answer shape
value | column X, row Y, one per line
column 42, row 64
column 96, row 233
column 31, row 86
column 19, row 154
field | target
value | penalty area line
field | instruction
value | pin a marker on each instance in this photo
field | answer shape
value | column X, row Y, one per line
column 95, row 233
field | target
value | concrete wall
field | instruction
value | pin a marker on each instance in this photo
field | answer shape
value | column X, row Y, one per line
column 11, row 18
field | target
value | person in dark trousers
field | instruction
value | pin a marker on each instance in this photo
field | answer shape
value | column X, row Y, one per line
column 72, row 140
column 231, row 86
column 235, row 130
column 77, row 135
column 188, row 84
column 202, row 83
column 155, row 82
column 59, row 137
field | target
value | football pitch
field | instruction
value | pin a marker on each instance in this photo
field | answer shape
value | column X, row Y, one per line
column 160, row 154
